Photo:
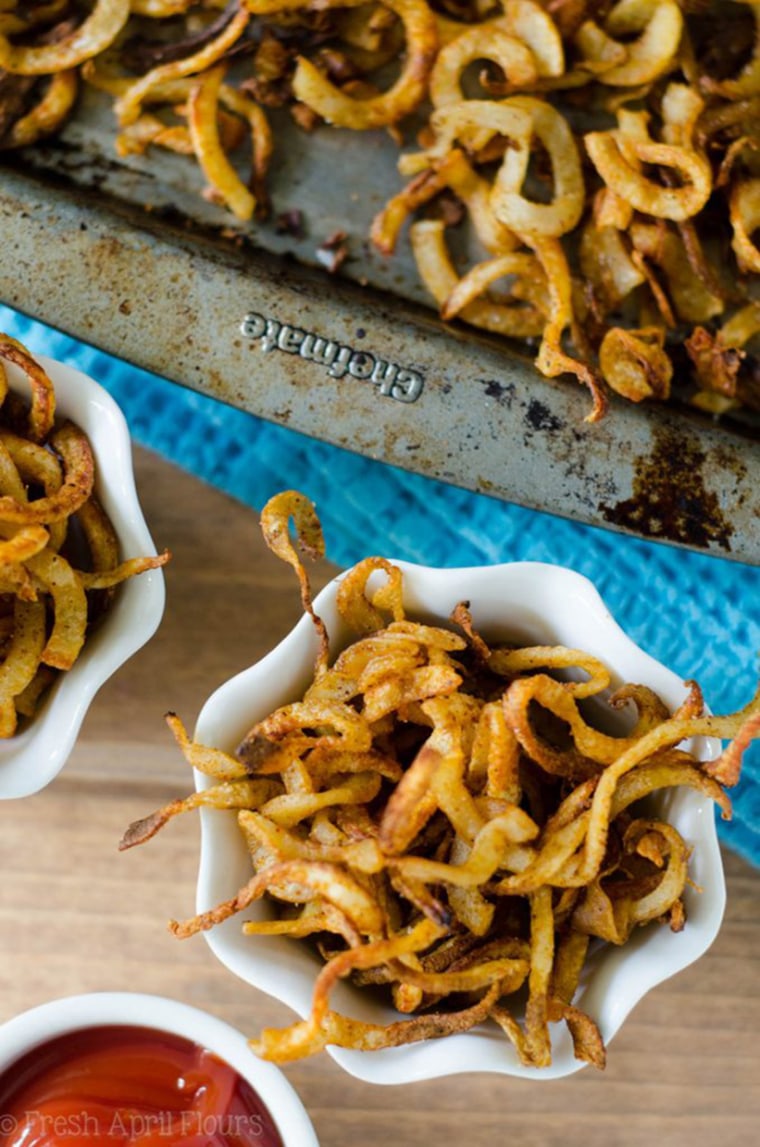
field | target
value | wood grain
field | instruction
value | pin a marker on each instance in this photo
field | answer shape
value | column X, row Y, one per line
column 77, row 916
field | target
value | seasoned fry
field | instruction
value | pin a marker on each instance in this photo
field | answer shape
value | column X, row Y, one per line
column 528, row 21
column 525, row 319
column 310, row 86
column 659, row 24
column 21, row 660
column 108, row 578
column 459, row 844
column 129, row 104
column 552, row 359
column 295, row 1042
column 42, row 410
column 203, row 109
column 55, row 577
column 74, row 451
column 515, row 662
column 487, row 41
column 23, row 544
column 227, row 794
column 635, row 364
column 745, row 219
column 274, row 524
column 92, row 37
column 467, row 301
column 48, row 114
column 523, row 215
column 621, row 155
column 452, row 122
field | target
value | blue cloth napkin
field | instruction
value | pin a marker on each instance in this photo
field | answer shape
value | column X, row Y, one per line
column 698, row 615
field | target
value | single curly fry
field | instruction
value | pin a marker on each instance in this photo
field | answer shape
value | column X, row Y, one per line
column 96, row 33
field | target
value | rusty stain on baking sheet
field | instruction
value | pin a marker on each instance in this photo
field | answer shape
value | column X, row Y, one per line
column 670, row 497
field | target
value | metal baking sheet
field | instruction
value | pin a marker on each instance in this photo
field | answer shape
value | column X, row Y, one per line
column 126, row 254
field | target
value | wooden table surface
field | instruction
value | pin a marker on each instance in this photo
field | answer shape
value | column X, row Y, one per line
column 78, row 916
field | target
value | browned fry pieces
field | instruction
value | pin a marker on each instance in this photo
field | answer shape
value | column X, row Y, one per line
column 51, row 575
column 74, row 451
column 226, row 794
column 42, row 411
column 275, row 521
column 601, row 162
column 22, row 657
column 107, row 578
column 462, row 848
column 93, row 36
column 297, row 1041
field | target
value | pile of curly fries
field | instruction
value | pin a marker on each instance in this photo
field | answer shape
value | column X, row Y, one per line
column 437, row 815
column 603, row 155
column 59, row 553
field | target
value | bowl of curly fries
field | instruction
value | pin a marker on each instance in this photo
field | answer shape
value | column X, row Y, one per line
column 73, row 540
column 456, row 820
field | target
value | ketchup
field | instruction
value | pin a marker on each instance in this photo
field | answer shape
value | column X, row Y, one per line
column 122, row 1086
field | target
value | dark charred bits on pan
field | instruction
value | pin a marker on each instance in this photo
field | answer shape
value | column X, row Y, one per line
column 503, row 392
column 291, row 222
column 538, row 416
column 670, row 499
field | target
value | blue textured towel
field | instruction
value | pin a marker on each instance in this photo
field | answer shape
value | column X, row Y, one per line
column 698, row 615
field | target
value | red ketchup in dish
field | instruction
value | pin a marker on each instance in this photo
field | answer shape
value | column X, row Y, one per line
column 121, row 1086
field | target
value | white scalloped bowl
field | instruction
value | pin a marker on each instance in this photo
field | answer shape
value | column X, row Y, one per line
column 35, row 755
column 529, row 602
column 37, row 1026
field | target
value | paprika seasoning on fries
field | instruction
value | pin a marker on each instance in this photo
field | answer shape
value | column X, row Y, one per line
column 437, row 814
column 614, row 144
column 59, row 554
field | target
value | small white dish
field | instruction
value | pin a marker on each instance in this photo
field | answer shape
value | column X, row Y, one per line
column 59, row 1017
column 35, row 755
column 525, row 602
